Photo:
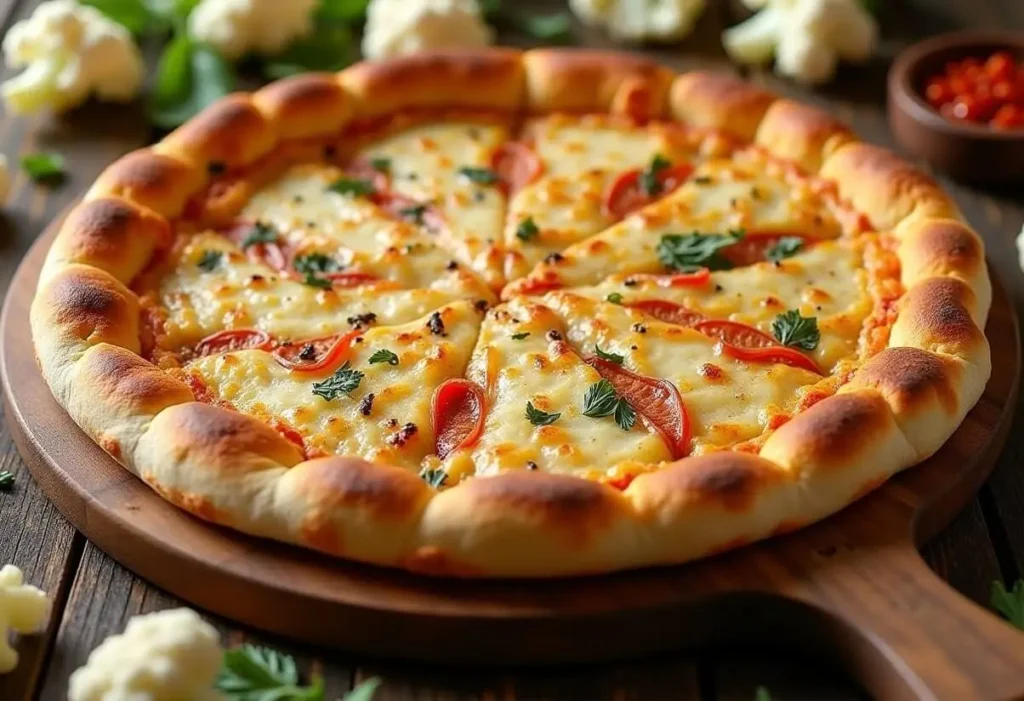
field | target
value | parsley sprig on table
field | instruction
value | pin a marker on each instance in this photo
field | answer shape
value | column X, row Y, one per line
column 6, row 480
column 253, row 673
column 1009, row 603
column 345, row 380
column 43, row 167
column 602, row 400
column 796, row 331
column 687, row 253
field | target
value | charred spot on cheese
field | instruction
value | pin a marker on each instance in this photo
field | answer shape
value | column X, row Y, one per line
column 531, row 465
column 481, row 305
column 404, row 434
column 366, row 404
column 436, row 324
column 452, row 265
column 553, row 336
column 360, row 321
column 216, row 168
column 553, row 258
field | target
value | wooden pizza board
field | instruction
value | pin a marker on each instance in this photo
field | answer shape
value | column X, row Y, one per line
column 852, row 587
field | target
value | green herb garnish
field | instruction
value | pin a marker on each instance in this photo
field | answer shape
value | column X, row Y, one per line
column 527, row 229
column 381, row 164
column 43, row 166
column 796, row 331
column 313, row 263
column 345, row 380
column 260, row 233
column 413, row 213
column 540, row 418
column 648, row 181
column 520, row 336
column 6, row 480
column 209, row 260
column 614, row 298
column 687, row 253
column 784, row 248
column 357, row 187
column 556, row 28
column 602, row 400
column 251, row 672
column 1009, row 603
column 480, row 176
column 610, row 357
column 383, row 356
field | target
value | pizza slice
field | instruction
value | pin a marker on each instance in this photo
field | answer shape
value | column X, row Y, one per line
column 539, row 406
column 578, row 175
column 749, row 199
column 443, row 175
column 366, row 393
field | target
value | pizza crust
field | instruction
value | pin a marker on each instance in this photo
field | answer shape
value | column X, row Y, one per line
column 229, row 468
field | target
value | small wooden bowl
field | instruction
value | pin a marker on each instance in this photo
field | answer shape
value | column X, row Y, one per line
column 968, row 151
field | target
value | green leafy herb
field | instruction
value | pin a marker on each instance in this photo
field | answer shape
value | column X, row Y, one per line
column 614, row 298
column 602, row 400
column 330, row 47
column 480, row 176
column 648, row 181
column 784, row 248
column 363, row 692
column 313, row 263
column 539, row 418
column 796, row 331
column 260, row 233
column 490, row 8
column 321, row 283
column 189, row 76
column 381, row 164
column 434, row 478
column 353, row 11
column 687, row 253
column 414, row 213
column 556, row 28
column 384, row 356
column 527, row 229
column 133, row 15
column 43, row 166
column 1009, row 603
column 520, row 336
column 625, row 417
column 169, row 14
column 252, row 673
column 345, row 380
column 6, row 480
column 209, row 261
column 762, row 694
column 610, row 357
column 356, row 187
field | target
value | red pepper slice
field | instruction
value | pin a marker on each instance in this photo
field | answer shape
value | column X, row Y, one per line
column 656, row 401
column 407, row 209
column 361, row 168
column 457, row 411
column 697, row 278
column 228, row 341
column 754, row 245
column 516, row 165
column 736, row 334
column 669, row 312
column 772, row 354
column 352, row 279
column 625, row 195
column 315, row 354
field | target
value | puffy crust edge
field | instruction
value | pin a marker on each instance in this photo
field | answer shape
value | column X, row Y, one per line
column 228, row 468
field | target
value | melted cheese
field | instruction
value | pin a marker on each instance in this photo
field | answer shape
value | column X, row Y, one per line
column 425, row 165
column 395, row 427
column 722, row 195
column 826, row 281
column 554, row 378
column 239, row 294
column 727, row 400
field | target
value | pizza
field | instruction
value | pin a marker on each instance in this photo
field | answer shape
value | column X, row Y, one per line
column 514, row 314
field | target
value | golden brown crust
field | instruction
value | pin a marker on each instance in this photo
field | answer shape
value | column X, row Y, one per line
column 939, row 314
column 584, row 80
column 884, row 187
column 157, row 181
column 491, row 79
column 726, row 481
column 720, row 101
column 231, row 133
column 305, row 106
column 83, row 303
column 801, row 133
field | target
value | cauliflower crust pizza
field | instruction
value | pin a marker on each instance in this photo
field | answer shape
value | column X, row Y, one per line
column 494, row 314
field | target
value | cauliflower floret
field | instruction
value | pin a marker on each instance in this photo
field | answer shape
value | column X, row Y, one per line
column 397, row 27
column 239, row 27
column 807, row 37
column 164, row 656
column 69, row 51
column 641, row 20
column 23, row 609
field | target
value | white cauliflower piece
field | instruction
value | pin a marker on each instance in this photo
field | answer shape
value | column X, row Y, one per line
column 164, row 656
column 807, row 38
column 23, row 609
column 240, row 27
column 398, row 27
column 641, row 20
column 69, row 51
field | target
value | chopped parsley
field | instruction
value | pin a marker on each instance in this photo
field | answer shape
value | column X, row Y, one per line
column 345, row 380
column 527, row 229
column 687, row 253
column 252, row 672
column 43, row 166
column 480, row 176
column 319, row 283
column 413, row 213
column 381, row 164
column 796, row 331
column 313, row 263
column 1009, row 603
column 648, row 181
column 602, row 400
column 520, row 336
column 357, row 187
column 614, row 298
column 434, row 478
column 610, row 357
column 260, row 233
column 383, row 356
column 209, row 261
column 540, row 418
column 6, row 480
column 784, row 248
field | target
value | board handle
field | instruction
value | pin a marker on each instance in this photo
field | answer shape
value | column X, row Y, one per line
column 906, row 634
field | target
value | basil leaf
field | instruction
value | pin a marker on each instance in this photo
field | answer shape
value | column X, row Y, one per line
column 796, row 331
column 538, row 417
column 43, row 166
column 133, row 15
column 556, row 28
column 189, row 77
column 687, row 253
column 329, row 48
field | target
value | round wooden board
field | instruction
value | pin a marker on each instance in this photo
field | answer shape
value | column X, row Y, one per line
column 852, row 586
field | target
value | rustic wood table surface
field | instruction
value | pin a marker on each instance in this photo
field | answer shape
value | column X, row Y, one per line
column 94, row 596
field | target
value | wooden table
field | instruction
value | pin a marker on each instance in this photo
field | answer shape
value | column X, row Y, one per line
column 94, row 596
